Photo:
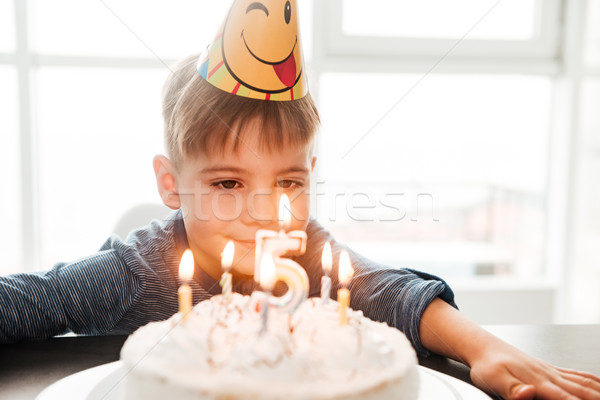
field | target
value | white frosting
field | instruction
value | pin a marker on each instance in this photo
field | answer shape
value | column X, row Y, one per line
column 218, row 353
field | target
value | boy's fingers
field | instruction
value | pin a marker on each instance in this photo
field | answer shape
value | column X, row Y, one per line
column 583, row 381
column 548, row 391
column 581, row 390
column 585, row 375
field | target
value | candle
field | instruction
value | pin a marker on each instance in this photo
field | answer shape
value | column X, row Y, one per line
column 278, row 244
column 326, row 262
column 345, row 274
column 226, row 263
column 285, row 213
column 267, row 282
column 282, row 242
column 186, row 273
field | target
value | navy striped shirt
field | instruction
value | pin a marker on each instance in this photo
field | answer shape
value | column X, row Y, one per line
column 128, row 284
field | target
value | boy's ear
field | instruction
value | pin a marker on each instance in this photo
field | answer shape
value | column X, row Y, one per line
column 312, row 163
column 165, row 181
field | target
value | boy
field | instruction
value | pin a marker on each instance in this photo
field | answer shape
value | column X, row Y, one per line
column 229, row 159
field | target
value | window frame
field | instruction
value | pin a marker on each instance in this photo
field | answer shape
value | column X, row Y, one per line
column 335, row 51
column 545, row 45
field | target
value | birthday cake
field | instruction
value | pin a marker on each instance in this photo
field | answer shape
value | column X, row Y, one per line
column 222, row 351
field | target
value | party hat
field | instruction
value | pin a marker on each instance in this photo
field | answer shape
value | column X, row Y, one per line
column 257, row 52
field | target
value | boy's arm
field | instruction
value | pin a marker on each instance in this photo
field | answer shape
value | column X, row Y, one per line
column 115, row 291
column 88, row 296
column 496, row 366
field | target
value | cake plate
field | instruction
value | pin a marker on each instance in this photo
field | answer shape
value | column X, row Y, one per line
column 102, row 383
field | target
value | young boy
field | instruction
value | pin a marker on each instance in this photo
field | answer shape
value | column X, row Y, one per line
column 230, row 158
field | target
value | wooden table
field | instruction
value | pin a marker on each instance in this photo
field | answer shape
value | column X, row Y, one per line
column 27, row 368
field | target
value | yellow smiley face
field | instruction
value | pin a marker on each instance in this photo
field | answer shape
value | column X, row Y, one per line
column 261, row 44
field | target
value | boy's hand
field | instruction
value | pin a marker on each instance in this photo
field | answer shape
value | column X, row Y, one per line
column 496, row 366
column 512, row 374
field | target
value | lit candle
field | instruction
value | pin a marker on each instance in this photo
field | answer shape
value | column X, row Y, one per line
column 345, row 274
column 282, row 242
column 267, row 282
column 285, row 213
column 326, row 261
column 186, row 273
column 226, row 263
column 279, row 244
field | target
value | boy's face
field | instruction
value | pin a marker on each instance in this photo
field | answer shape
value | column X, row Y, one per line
column 231, row 196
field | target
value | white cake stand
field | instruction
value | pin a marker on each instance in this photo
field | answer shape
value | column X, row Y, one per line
column 102, row 383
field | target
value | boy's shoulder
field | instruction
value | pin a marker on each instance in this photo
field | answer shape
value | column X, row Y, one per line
column 158, row 236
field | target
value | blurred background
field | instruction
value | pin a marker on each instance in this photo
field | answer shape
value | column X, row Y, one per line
column 459, row 137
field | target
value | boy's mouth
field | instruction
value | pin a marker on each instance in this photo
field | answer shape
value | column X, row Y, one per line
column 251, row 243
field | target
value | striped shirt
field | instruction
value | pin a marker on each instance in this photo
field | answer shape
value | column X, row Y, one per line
column 130, row 283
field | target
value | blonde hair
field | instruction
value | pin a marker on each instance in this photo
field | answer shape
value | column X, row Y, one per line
column 200, row 118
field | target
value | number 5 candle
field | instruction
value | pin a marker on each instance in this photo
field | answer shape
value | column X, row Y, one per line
column 278, row 244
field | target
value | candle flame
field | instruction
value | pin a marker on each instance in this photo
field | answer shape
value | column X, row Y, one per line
column 186, row 266
column 326, row 259
column 267, row 272
column 285, row 215
column 345, row 268
column 227, row 256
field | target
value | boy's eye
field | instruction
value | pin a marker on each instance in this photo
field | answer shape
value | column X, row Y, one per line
column 286, row 183
column 229, row 184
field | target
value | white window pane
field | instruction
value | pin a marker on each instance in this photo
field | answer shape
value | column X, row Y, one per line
column 590, row 117
column 585, row 259
column 10, row 196
column 490, row 19
column 443, row 128
column 7, row 26
column 475, row 146
column 588, row 190
column 592, row 42
column 98, row 131
column 305, row 9
column 136, row 28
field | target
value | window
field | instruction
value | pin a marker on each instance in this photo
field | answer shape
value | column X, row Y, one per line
column 95, row 153
column 437, row 130
column 459, row 128
column 592, row 42
column 7, row 26
column 585, row 234
column 507, row 20
column 10, row 198
column 459, row 165
column 134, row 28
column 507, row 28
column 96, row 71
column 119, row 29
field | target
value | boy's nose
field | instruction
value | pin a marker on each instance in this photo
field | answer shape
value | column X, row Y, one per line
column 262, row 209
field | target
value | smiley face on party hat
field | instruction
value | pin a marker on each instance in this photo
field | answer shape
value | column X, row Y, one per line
column 257, row 52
